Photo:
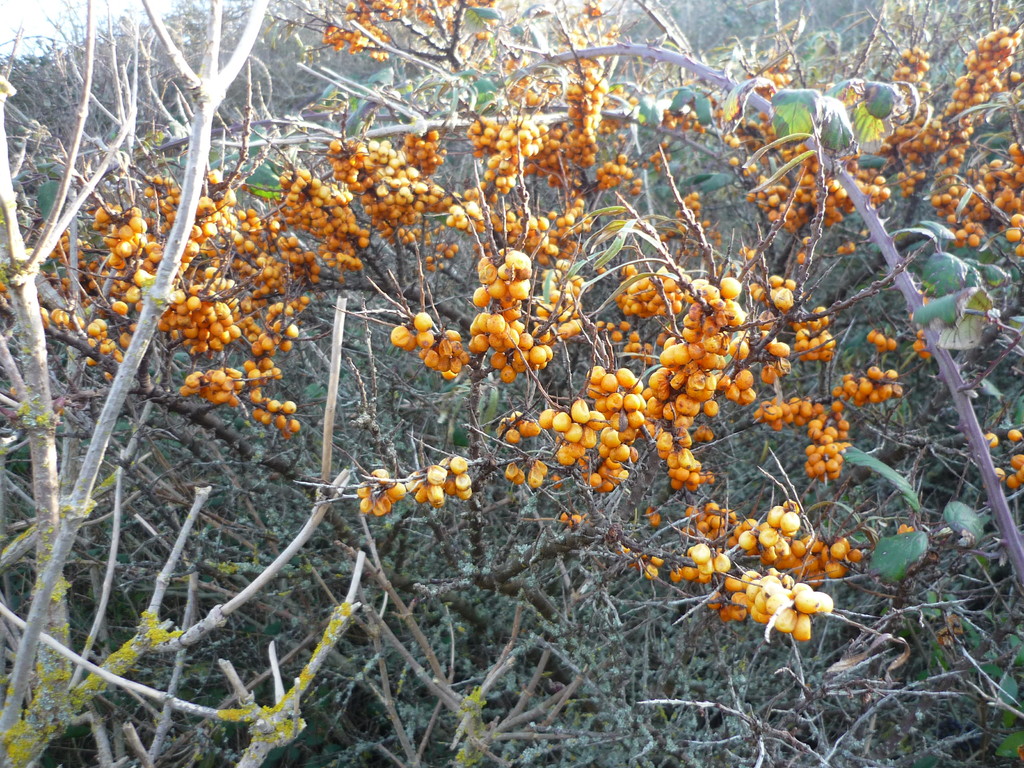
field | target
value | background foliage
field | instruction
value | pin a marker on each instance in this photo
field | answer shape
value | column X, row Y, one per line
column 447, row 170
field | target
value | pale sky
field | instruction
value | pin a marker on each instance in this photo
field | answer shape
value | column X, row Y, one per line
column 37, row 15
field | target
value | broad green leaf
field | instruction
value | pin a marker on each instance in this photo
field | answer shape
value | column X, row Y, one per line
column 880, row 99
column 869, row 130
column 265, row 181
column 487, row 14
column 893, row 555
column 709, row 182
column 992, row 275
column 702, row 107
column 46, row 196
column 934, row 231
column 858, row 458
column 736, row 100
column 964, row 520
column 648, row 112
column 1011, row 744
column 795, row 111
column 385, row 76
column 938, row 313
column 683, row 97
column 967, row 333
column 485, row 89
column 834, row 129
column 945, row 273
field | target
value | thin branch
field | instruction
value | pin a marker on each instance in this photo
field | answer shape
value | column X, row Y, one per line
column 129, row 685
column 218, row 615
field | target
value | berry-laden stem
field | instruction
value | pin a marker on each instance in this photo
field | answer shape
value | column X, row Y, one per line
column 949, row 371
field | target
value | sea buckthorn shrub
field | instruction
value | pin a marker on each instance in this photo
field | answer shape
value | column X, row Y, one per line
column 631, row 406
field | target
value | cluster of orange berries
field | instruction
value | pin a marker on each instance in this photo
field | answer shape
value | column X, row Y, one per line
column 612, row 173
column 449, row 478
column 882, row 342
column 692, row 372
column 653, row 296
column 441, row 351
column 580, row 429
column 826, row 429
column 507, row 148
column 585, row 94
column 684, row 119
column 804, row 192
column 218, row 385
column 515, row 427
column 828, row 434
column 100, row 341
column 199, row 319
column 707, row 561
column 876, row 386
column 814, row 342
column 1015, row 478
column 126, row 240
column 504, row 288
column 533, row 477
column 559, row 302
column 322, row 209
column 710, row 521
column 366, row 14
column 778, row 294
column 777, row 599
column 921, row 346
column 393, row 184
column 993, row 55
column 379, row 493
column 774, row 540
column 619, row 400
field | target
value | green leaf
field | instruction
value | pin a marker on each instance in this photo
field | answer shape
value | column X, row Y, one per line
column 858, row 458
column 683, row 97
column 934, row 231
column 736, row 100
column 893, row 555
column 487, row 14
column 869, row 130
column 880, row 99
column 964, row 521
column 992, row 275
column 784, row 170
column 702, row 107
column 945, row 273
column 46, row 196
column 265, row 181
column 460, row 437
column 874, row 162
column 834, row 129
column 1011, row 744
column 940, row 312
column 649, row 113
column 709, row 182
column 972, row 303
column 795, row 111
